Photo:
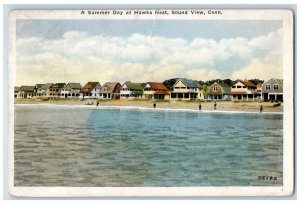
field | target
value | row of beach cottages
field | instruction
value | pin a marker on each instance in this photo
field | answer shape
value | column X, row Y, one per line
column 183, row 89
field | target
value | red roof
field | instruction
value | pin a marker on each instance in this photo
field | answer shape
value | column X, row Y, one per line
column 242, row 92
column 238, row 92
column 158, row 86
column 162, row 92
column 248, row 83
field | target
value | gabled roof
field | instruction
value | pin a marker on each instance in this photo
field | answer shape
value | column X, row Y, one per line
column 58, row 85
column 225, row 87
column 27, row 88
column 43, row 86
column 157, row 86
column 135, row 86
column 47, row 85
column 17, row 89
column 280, row 81
column 39, row 86
column 249, row 83
column 189, row 83
column 273, row 81
column 246, row 83
column 89, row 87
column 109, row 87
column 74, row 85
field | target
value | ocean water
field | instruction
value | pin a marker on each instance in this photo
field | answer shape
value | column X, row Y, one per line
column 73, row 146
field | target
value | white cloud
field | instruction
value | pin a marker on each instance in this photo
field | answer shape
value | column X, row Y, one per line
column 204, row 74
column 78, row 56
column 258, row 69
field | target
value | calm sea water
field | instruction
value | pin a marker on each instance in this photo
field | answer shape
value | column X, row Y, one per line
column 69, row 146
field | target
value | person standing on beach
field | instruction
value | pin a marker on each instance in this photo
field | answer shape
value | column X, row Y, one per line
column 261, row 108
column 97, row 103
column 215, row 106
column 154, row 105
column 200, row 107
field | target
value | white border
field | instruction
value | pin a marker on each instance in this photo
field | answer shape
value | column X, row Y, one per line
column 288, row 123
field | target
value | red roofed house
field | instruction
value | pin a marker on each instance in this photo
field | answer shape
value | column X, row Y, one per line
column 244, row 91
column 156, row 90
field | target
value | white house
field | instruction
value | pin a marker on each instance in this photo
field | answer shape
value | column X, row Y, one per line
column 26, row 92
column 40, row 90
column 132, row 90
column 90, row 90
column 71, row 90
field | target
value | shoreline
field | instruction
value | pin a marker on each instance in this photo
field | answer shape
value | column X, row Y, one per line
column 174, row 106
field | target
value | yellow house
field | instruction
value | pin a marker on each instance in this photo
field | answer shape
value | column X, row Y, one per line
column 186, row 89
column 156, row 90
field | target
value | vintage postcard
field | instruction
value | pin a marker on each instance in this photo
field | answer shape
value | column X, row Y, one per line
column 151, row 103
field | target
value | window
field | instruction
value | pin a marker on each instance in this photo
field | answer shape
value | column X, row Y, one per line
column 234, row 87
column 244, row 87
column 268, row 86
column 275, row 86
column 239, row 87
column 215, row 88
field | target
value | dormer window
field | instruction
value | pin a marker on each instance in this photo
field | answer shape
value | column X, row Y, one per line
column 275, row 86
column 268, row 86
column 215, row 88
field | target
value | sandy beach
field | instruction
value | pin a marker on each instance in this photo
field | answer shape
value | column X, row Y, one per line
column 160, row 104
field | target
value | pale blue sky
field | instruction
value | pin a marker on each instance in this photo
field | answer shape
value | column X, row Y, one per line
column 188, row 29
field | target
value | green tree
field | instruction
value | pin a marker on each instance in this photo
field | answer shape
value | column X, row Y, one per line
column 170, row 82
column 256, row 81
